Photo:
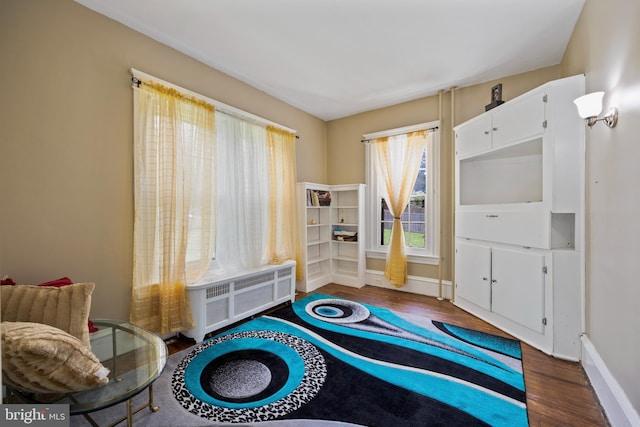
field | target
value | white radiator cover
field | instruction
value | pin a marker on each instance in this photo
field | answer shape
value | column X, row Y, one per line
column 233, row 298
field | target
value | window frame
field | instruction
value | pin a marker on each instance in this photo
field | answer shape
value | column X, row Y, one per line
column 430, row 254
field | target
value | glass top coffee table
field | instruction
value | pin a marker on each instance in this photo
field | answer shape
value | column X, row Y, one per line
column 135, row 356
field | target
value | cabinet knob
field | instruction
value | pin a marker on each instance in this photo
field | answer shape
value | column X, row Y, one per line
column 495, row 129
column 494, row 281
column 492, row 216
column 485, row 278
column 486, row 132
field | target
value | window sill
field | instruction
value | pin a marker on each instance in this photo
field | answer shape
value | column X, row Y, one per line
column 414, row 259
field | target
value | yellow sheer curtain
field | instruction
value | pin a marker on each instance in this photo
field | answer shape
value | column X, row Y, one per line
column 398, row 161
column 283, row 220
column 174, row 148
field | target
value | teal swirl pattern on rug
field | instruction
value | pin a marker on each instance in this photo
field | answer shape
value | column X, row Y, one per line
column 324, row 358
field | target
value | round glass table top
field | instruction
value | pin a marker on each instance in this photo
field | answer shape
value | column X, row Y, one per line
column 135, row 356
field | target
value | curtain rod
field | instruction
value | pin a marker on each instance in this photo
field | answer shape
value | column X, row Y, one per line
column 432, row 126
column 225, row 108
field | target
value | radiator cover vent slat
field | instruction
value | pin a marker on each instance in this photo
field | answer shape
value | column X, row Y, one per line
column 254, row 280
column 284, row 272
column 218, row 290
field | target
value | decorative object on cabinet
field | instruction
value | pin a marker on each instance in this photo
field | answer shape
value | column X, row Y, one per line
column 519, row 221
column 496, row 97
column 590, row 105
column 331, row 238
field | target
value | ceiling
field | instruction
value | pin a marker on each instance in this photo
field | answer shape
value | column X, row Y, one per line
column 335, row 58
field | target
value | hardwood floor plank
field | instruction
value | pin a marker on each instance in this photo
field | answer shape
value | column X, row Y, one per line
column 558, row 391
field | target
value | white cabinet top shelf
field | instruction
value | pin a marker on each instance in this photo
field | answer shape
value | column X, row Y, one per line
column 512, row 174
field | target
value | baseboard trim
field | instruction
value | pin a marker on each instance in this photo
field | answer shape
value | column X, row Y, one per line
column 616, row 404
column 415, row 284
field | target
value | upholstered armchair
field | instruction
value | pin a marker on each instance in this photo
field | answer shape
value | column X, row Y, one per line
column 45, row 339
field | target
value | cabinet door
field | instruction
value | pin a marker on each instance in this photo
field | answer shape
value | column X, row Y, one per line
column 473, row 274
column 518, row 286
column 518, row 120
column 474, row 136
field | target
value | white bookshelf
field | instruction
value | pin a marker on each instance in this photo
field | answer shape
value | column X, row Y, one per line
column 326, row 257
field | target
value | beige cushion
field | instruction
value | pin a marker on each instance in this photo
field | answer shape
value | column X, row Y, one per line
column 66, row 308
column 39, row 358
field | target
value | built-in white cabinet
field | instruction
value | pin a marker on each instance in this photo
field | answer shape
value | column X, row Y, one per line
column 519, row 217
column 331, row 237
column 509, row 282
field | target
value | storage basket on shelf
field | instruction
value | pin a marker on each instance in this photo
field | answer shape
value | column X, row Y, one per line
column 346, row 236
column 324, row 198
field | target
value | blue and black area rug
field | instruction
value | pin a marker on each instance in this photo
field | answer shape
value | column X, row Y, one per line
column 331, row 359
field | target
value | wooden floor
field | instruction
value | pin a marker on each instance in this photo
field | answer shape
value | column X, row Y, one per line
column 558, row 392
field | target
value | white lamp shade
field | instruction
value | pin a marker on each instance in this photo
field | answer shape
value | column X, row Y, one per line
column 589, row 105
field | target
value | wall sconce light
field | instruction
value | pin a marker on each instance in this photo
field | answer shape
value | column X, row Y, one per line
column 590, row 105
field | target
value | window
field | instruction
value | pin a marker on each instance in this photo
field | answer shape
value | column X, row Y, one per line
column 185, row 149
column 420, row 218
column 413, row 217
column 189, row 131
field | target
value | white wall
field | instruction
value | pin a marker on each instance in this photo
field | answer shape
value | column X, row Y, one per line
column 606, row 47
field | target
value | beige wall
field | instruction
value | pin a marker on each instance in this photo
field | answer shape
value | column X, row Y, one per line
column 346, row 154
column 66, row 202
column 606, row 47
column 66, row 184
